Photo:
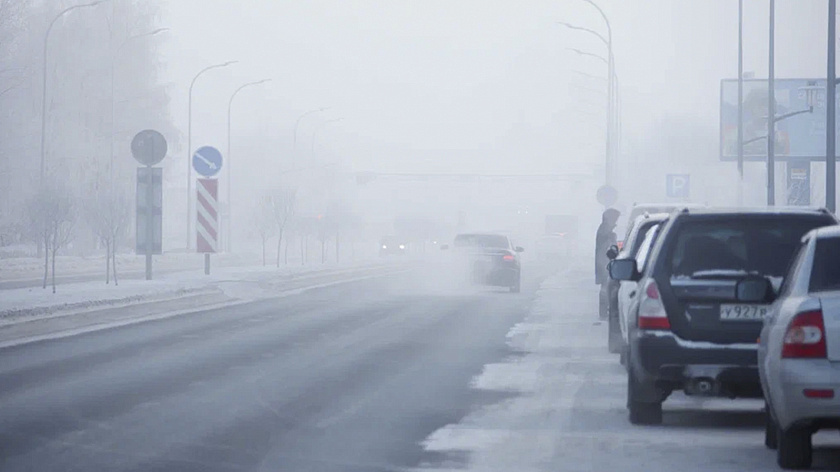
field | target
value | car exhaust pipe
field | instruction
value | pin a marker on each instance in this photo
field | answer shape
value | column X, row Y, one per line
column 704, row 387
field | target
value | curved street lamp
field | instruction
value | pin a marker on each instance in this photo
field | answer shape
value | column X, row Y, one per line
column 189, row 144
column 319, row 128
column 44, row 79
column 228, row 172
column 114, row 58
column 297, row 123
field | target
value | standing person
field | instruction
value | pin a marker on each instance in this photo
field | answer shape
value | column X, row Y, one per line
column 604, row 238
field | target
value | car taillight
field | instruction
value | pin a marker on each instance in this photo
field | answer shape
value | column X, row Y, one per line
column 652, row 315
column 508, row 257
column 805, row 337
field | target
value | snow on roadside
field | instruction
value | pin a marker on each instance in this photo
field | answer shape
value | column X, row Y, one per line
column 238, row 282
column 567, row 409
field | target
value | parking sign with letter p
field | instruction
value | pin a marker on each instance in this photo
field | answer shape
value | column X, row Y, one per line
column 678, row 185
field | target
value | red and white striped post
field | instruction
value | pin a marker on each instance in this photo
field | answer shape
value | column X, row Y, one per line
column 207, row 219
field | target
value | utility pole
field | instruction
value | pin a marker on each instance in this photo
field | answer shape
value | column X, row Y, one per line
column 830, row 111
column 771, row 111
column 740, row 102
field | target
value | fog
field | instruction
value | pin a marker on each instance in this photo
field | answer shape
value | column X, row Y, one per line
column 446, row 114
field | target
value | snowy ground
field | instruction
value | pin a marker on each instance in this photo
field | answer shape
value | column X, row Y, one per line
column 238, row 282
column 566, row 409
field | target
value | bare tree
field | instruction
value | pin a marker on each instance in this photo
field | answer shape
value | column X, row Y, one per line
column 53, row 218
column 283, row 208
column 264, row 221
column 108, row 218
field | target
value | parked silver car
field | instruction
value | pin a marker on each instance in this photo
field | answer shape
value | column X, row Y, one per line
column 799, row 350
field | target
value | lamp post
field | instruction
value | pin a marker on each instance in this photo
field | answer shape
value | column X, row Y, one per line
column 319, row 128
column 771, row 110
column 230, row 207
column 114, row 58
column 610, row 88
column 44, row 80
column 297, row 123
column 189, row 145
column 831, row 110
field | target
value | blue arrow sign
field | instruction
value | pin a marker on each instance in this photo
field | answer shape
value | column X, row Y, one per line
column 207, row 161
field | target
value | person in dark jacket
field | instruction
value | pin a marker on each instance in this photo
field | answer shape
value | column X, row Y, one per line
column 604, row 239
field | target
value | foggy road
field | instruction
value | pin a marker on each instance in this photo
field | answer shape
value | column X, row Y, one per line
column 350, row 377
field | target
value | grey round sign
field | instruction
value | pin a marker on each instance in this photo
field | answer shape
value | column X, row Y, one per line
column 148, row 147
column 607, row 195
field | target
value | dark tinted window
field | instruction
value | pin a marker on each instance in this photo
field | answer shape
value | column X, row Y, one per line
column 826, row 272
column 753, row 244
column 482, row 240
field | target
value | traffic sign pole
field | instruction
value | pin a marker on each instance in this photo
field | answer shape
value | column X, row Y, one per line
column 150, row 227
column 149, row 148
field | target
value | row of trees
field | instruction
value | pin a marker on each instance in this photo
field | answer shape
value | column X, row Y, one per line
column 102, row 87
column 276, row 216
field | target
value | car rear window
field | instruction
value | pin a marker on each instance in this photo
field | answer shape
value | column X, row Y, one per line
column 751, row 244
column 481, row 240
column 825, row 275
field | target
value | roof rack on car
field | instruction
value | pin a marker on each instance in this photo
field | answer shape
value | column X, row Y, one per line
column 824, row 210
column 685, row 210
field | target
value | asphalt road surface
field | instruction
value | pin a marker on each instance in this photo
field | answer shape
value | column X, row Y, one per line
column 346, row 378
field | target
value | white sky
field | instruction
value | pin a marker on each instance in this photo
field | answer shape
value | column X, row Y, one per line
column 465, row 85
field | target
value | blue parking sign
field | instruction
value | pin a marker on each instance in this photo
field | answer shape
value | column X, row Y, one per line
column 678, row 185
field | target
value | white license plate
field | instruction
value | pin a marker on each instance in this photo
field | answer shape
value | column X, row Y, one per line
column 743, row 312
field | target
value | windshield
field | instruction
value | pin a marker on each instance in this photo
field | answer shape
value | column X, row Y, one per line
column 762, row 245
column 482, row 241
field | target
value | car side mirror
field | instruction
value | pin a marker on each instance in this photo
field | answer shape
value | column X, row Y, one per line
column 444, row 247
column 624, row 269
column 754, row 290
column 519, row 249
column 612, row 252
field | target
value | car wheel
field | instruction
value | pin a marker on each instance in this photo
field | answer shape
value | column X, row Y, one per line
column 517, row 286
column 771, row 436
column 794, row 450
column 641, row 413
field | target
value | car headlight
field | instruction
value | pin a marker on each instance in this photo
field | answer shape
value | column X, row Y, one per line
column 384, row 247
column 402, row 246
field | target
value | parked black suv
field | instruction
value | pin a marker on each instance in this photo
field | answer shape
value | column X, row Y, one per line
column 689, row 331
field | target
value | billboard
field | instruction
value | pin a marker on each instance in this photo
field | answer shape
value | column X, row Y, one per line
column 800, row 136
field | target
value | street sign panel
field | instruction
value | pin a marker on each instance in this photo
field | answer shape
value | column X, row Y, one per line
column 149, row 214
column 798, row 136
column 207, row 215
column 799, row 182
column 207, row 161
column 678, row 186
column 148, row 147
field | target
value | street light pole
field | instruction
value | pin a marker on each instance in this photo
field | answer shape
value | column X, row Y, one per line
column 319, row 128
column 189, row 145
column 297, row 123
column 44, row 81
column 830, row 111
column 230, row 207
column 771, row 111
column 113, row 102
column 610, row 97
column 740, row 102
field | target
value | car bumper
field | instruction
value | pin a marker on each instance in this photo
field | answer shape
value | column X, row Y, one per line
column 668, row 363
column 787, row 398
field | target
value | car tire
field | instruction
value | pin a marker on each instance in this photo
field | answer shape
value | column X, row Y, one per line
column 795, row 450
column 641, row 413
column 771, row 431
column 517, row 286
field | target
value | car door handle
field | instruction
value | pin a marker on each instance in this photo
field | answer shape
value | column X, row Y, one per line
column 632, row 294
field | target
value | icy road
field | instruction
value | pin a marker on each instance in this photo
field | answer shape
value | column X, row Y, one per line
column 363, row 376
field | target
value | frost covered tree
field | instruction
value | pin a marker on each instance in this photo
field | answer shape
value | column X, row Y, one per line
column 108, row 217
column 53, row 217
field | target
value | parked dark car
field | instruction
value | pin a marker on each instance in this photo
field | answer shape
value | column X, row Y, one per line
column 690, row 332
column 489, row 259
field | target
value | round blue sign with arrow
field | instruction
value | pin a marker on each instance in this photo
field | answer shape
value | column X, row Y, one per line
column 207, row 161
